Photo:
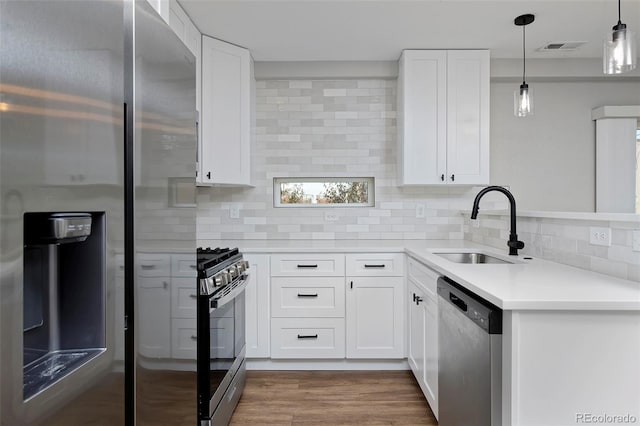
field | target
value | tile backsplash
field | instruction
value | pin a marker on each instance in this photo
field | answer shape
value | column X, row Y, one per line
column 564, row 241
column 328, row 128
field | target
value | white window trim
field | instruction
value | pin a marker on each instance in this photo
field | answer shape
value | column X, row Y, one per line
column 369, row 180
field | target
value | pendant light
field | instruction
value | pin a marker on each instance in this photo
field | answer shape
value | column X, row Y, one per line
column 619, row 49
column 523, row 97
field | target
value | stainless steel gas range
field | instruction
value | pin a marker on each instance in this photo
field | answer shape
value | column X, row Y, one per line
column 222, row 278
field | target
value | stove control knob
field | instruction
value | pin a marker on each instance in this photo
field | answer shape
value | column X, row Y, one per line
column 221, row 278
column 240, row 268
column 233, row 273
column 245, row 263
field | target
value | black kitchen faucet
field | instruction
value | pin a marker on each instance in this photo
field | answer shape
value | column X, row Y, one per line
column 513, row 243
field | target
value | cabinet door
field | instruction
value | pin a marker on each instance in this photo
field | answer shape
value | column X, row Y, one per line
column 226, row 110
column 468, row 116
column 375, row 317
column 154, row 317
column 162, row 7
column 184, row 297
column 422, row 104
column 430, row 316
column 257, row 307
column 417, row 321
column 178, row 20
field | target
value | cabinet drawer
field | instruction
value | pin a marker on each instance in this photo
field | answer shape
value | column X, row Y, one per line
column 307, row 338
column 153, row 265
column 307, row 265
column 307, row 297
column 183, row 265
column 184, row 338
column 183, row 297
column 423, row 275
column 375, row 265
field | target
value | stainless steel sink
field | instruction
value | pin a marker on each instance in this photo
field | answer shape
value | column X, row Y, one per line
column 471, row 258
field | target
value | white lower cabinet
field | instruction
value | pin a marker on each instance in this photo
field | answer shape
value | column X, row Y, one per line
column 423, row 331
column 375, row 317
column 154, row 319
column 307, row 338
column 184, row 338
column 319, row 313
column 257, row 309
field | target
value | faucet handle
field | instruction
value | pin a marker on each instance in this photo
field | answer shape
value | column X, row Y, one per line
column 516, row 244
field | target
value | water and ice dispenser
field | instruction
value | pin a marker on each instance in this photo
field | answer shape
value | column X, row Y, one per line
column 63, row 294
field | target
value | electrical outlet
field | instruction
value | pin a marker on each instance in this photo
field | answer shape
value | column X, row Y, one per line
column 234, row 212
column 635, row 240
column 600, row 236
column 330, row 217
column 420, row 211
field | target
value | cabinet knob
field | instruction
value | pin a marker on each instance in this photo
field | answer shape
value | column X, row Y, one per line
column 442, row 177
column 208, row 175
column 418, row 300
column 194, row 337
column 453, row 178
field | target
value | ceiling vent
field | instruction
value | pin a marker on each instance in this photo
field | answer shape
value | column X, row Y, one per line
column 562, row 45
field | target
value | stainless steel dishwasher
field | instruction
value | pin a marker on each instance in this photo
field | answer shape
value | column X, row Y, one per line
column 470, row 358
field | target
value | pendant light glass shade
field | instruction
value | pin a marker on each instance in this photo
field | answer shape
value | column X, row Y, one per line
column 523, row 101
column 620, row 51
column 619, row 48
column 523, row 96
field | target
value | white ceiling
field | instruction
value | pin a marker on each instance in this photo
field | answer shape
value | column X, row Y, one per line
column 377, row 30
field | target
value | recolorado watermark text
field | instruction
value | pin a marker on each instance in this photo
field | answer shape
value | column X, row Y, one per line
column 590, row 418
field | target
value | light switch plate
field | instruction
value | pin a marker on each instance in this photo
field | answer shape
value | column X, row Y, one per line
column 234, row 212
column 600, row 236
column 420, row 211
column 635, row 240
column 330, row 217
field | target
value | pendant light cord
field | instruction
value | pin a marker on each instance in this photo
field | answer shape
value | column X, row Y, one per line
column 524, row 62
column 619, row 14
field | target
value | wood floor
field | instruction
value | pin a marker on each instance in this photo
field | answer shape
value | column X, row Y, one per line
column 332, row 398
column 167, row 398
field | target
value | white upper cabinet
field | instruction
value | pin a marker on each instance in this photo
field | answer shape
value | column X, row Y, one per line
column 184, row 28
column 443, row 117
column 226, row 115
column 162, row 7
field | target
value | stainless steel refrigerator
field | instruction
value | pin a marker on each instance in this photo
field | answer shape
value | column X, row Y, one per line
column 97, row 200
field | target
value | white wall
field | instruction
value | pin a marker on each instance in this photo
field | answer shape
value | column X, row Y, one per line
column 549, row 159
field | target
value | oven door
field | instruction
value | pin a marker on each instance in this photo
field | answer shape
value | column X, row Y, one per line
column 221, row 351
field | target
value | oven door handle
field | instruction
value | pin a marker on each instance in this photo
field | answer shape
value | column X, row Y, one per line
column 239, row 288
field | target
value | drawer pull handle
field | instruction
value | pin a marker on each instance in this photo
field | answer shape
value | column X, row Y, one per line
column 193, row 296
column 148, row 266
column 194, row 337
column 374, row 266
column 307, row 266
column 308, row 295
column 307, row 336
column 192, row 266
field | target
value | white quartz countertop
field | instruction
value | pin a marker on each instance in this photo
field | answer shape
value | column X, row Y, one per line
column 533, row 284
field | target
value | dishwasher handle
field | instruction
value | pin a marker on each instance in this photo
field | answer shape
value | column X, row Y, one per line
column 458, row 302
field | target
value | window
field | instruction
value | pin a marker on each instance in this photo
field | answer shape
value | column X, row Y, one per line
column 323, row 192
